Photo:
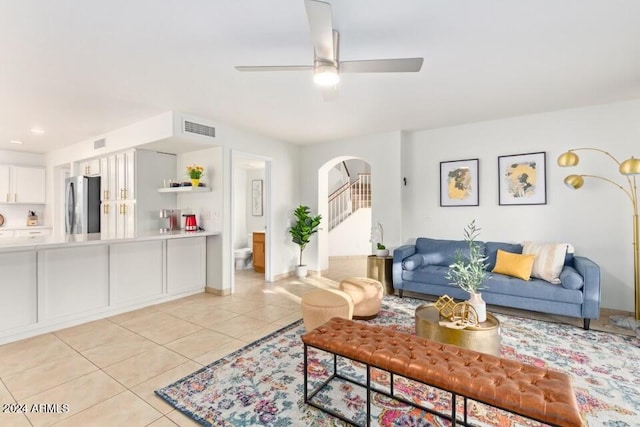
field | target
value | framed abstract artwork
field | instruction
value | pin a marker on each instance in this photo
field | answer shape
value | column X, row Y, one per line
column 256, row 197
column 522, row 179
column 459, row 183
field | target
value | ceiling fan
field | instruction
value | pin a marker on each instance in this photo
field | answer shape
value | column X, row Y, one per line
column 326, row 64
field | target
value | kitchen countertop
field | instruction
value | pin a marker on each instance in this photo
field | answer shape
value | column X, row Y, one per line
column 52, row 242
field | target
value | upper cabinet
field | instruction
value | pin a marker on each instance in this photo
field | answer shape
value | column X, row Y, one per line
column 89, row 167
column 125, row 169
column 22, row 184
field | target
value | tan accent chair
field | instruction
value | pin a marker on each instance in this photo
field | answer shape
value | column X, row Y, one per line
column 366, row 295
column 321, row 305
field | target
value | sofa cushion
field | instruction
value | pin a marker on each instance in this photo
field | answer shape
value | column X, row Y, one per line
column 492, row 250
column 536, row 289
column 442, row 252
column 412, row 262
column 550, row 258
column 432, row 274
column 571, row 279
column 516, row 265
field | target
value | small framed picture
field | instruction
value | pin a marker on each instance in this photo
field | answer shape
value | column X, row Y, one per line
column 459, row 183
column 522, row 179
column 256, row 197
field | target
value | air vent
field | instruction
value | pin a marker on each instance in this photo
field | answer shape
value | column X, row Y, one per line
column 99, row 143
column 199, row 129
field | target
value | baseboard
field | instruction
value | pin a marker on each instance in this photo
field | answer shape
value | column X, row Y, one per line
column 218, row 292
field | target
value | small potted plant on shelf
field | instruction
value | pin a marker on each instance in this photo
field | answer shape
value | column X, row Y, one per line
column 301, row 231
column 377, row 238
column 468, row 271
column 195, row 172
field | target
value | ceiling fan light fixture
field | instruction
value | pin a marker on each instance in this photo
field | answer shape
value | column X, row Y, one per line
column 326, row 75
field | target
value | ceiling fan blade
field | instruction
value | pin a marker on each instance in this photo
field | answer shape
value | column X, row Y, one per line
column 321, row 26
column 399, row 65
column 274, row 67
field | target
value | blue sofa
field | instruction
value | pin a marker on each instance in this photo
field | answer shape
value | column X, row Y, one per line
column 422, row 267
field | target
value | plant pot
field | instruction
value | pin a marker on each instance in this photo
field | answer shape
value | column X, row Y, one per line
column 195, row 182
column 301, row 271
column 381, row 252
column 478, row 305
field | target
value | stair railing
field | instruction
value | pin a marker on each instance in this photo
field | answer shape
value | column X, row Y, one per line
column 348, row 198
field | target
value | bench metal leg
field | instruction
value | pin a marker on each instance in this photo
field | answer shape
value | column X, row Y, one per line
column 306, row 400
column 453, row 410
column 368, row 395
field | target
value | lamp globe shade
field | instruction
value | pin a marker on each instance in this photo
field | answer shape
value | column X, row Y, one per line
column 574, row 181
column 630, row 167
column 568, row 159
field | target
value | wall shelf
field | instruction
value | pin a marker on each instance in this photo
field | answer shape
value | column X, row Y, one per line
column 184, row 190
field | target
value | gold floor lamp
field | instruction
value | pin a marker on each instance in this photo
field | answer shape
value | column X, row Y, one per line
column 629, row 168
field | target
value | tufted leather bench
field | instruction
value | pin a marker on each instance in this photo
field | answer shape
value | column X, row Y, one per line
column 537, row 393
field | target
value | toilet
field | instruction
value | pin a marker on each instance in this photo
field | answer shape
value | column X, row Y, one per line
column 243, row 255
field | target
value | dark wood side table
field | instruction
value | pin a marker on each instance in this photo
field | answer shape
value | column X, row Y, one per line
column 379, row 268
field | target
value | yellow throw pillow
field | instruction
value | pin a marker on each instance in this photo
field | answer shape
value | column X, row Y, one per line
column 515, row 265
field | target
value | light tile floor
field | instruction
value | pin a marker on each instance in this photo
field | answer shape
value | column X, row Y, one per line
column 106, row 371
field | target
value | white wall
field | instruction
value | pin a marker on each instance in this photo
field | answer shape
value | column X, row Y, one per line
column 351, row 237
column 284, row 159
column 207, row 206
column 597, row 219
column 383, row 153
column 239, row 208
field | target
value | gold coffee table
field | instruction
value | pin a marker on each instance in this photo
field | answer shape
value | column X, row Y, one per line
column 484, row 338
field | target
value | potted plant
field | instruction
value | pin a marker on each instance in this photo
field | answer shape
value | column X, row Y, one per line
column 301, row 231
column 377, row 237
column 468, row 271
column 195, row 172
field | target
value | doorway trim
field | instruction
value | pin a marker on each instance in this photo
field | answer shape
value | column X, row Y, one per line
column 267, row 195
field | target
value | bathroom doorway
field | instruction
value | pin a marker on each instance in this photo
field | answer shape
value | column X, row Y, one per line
column 250, row 216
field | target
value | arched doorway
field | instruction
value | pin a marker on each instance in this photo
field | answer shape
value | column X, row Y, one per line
column 344, row 201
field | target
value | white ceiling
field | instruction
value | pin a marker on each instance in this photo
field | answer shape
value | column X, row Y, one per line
column 79, row 68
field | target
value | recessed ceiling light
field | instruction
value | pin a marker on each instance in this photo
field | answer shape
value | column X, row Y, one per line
column 15, row 141
column 37, row 131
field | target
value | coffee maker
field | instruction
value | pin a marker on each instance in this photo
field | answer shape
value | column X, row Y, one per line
column 169, row 220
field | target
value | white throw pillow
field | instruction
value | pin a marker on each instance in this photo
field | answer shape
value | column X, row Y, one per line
column 549, row 259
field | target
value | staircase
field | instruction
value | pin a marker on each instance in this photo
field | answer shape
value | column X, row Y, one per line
column 348, row 198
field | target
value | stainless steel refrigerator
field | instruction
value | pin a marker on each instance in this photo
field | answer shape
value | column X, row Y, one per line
column 82, row 206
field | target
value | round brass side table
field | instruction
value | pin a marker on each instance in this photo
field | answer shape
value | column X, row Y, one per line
column 484, row 338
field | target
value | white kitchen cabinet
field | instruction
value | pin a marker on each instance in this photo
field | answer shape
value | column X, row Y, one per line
column 7, row 234
column 108, row 178
column 117, row 218
column 186, row 264
column 73, row 280
column 90, row 167
column 33, row 232
column 125, row 219
column 22, row 184
column 125, row 175
column 18, row 290
column 136, row 271
column 5, row 184
column 108, row 218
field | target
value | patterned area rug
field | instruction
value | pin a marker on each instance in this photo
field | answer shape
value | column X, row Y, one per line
column 262, row 384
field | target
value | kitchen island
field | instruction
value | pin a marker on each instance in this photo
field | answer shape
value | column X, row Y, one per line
column 47, row 283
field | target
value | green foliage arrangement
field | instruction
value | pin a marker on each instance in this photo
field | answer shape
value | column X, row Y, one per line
column 468, row 271
column 305, row 227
